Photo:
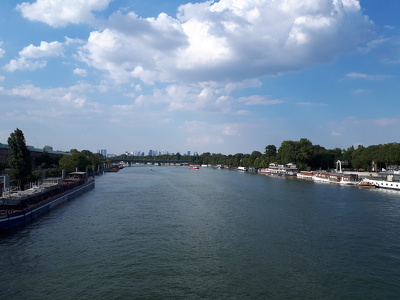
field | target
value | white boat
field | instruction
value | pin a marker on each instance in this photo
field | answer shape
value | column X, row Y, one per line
column 244, row 169
column 385, row 181
column 306, row 174
column 280, row 170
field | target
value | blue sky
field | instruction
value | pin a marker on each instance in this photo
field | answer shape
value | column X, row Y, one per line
column 224, row 76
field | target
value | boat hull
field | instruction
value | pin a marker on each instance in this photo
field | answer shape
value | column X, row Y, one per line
column 383, row 184
column 19, row 218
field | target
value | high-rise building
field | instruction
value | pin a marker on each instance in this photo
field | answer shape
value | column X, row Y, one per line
column 102, row 152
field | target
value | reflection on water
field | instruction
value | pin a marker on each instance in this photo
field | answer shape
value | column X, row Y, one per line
column 170, row 232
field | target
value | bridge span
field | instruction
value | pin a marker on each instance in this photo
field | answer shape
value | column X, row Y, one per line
column 145, row 161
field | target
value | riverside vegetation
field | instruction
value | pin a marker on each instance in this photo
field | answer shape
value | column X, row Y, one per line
column 302, row 153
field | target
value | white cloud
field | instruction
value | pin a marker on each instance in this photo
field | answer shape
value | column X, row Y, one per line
column 247, row 83
column 65, row 101
column 229, row 40
column 259, row 100
column 60, row 13
column 356, row 75
column 24, row 64
column 80, row 72
column 384, row 122
column 45, row 49
column 2, row 78
column 28, row 57
column 243, row 112
column 2, row 51
column 179, row 97
column 132, row 47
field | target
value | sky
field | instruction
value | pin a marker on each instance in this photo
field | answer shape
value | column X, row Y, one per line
column 228, row 76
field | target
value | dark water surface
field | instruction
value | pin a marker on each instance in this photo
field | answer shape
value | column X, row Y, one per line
column 174, row 233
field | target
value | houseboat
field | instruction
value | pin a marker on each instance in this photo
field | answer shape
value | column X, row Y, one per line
column 306, row 174
column 340, row 178
column 280, row 170
column 390, row 180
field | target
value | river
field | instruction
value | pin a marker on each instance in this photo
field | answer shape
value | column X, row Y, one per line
column 168, row 232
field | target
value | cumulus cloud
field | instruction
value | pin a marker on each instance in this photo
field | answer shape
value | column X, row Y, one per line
column 45, row 49
column 60, row 13
column 2, row 51
column 132, row 47
column 80, row 72
column 29, row 56
column 64, row 100
column 24, row 64
column 227, row 40
column 179, row 97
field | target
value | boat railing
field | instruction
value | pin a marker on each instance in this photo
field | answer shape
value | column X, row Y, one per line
column 12, row 190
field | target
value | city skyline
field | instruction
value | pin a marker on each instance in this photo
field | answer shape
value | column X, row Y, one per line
column 228, row 76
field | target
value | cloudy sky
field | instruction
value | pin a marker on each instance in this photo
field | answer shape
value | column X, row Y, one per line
column 224, row 76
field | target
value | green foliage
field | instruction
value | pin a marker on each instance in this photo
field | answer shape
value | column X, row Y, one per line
column 45, row 160
column 81, row 160
column 302, row 153
column 375, row 156
column 2, row 166
column 19, row 158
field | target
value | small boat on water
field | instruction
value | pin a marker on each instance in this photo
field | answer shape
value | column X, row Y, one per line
column 19, row 208
column 194, row 168
column 367, row 185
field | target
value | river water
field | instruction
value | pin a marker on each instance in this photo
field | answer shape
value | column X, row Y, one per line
column 169, row 232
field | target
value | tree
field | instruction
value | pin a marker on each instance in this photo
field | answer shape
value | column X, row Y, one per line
column 19, row 158
column 44, row 159
column 76, row 160
column 270, row 153
column 287, row 152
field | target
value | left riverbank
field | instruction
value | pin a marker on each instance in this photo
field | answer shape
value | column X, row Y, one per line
column 19, row 208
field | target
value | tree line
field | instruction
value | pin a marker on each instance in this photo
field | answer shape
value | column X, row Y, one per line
column 21, row 164
column 302, row 153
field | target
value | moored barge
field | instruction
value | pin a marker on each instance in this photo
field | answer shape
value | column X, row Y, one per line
column 19, row 208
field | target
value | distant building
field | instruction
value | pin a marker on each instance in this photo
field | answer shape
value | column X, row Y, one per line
column 102, row 152
column 188, row 153
column 48, row 148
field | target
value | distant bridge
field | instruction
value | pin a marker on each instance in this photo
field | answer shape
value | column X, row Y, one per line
column 145, row 161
